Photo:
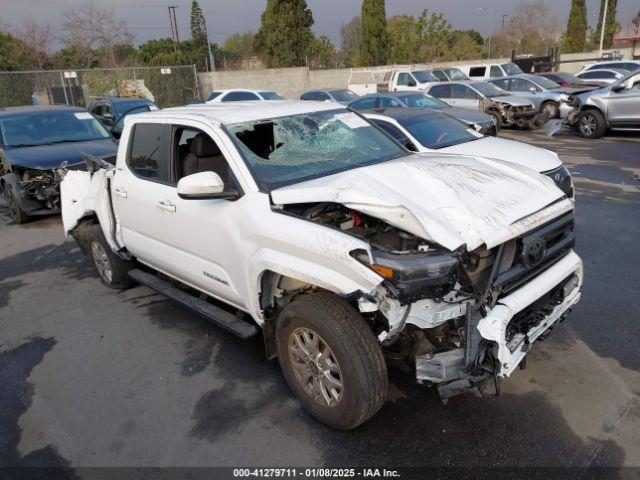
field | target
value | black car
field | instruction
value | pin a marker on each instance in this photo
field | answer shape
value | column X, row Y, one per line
column 111, row 111
column 34, row 143
column 480, row 121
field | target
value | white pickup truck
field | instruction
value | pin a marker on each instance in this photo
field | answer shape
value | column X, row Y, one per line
column 304, row 221
column 364, row 82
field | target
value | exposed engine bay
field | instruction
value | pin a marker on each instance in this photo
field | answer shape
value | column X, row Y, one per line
column 520, row 116
column 427, row 310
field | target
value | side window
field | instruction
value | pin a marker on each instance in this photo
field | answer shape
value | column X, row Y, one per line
column 503, row 84
column 386, row 102
column 477, row 71
column 495, row 71
column 146, row 152
column 239, row 97
column 440, row 91
column 323, row 96
column 606, row 75
column 307, row 96
column 107, row 110
column 520, row 85
column 193, row 151
column 97, row 109
column 403, row 79
column 364, row 104
column 462, row 91
column 440, row 75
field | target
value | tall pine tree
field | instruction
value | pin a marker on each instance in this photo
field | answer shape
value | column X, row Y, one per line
column 285, row 37
column 198, row 25
column 610, row 27
column 576, row 27
column 374, row 38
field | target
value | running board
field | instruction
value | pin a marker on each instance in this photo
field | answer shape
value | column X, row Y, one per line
column 217, row 315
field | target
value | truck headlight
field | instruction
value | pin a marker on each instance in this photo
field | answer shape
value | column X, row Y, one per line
column 562, row 178
column 415, row 275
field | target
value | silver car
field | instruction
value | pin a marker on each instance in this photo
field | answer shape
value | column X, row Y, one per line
column 546, row 95
column 339, row 95
column 505, row 108
column 613, row 106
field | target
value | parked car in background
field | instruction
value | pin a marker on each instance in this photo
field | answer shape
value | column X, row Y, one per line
column 338, row 95
column 34, row 142
column 305, row 222
column 628, row 65
column 505, row 108
column 363, row 82
column 426, row 130
column 484, row 71
column 113, row 110
column 613, row 106
column 565, row 79
column 241, row 95
column 449, row 74
column 476, row 119
column 546, row 95
column 604, row 75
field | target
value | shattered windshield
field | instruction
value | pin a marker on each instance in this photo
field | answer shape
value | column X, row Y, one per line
column 286, row 150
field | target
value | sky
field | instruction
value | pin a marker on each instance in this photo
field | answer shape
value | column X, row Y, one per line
column 149, row 18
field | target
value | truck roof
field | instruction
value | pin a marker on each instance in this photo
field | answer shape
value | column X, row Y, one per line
column 235, row 112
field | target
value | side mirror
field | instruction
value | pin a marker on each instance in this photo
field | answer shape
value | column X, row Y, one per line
column 204, row 186
column 533, row 89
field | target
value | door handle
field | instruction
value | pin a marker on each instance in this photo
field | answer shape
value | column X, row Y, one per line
column 120, row 192
column 166, row 206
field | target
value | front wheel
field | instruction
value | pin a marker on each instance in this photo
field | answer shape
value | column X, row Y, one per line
column 497, row 118
column 551, row 108
column 18, row 215
column 592, row 124
column 331, row 360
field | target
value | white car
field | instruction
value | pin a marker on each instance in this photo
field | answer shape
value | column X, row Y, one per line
column 629, row 65
column 606, row 75
column 303, row 221
column 484, row 71
column 240, row 95
column 422, row 130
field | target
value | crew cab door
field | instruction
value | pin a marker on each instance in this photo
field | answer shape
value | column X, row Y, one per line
column 190, row 240
column 404, row 81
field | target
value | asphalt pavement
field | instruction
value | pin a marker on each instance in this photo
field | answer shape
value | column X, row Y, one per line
column 95, row 377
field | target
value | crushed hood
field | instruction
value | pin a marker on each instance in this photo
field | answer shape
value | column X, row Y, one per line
column 513, row 100
column 449, row 199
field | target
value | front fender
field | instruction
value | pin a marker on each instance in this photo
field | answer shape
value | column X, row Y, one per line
column 26, row 204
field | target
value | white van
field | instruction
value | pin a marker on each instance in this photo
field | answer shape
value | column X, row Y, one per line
column 490, row 70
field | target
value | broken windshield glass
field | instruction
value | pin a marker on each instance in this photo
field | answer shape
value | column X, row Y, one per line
column 286, row 150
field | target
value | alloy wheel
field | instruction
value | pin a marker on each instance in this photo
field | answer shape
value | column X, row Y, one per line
column 101, row 259
column 588, row 124
column 315, row 367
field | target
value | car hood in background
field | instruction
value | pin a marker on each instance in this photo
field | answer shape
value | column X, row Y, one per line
column 513, row 100
column 449, row 199
column 520, row 153
column 467, row 115
column 46, row 157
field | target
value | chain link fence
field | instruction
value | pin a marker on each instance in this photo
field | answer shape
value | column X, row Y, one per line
column 167, row 86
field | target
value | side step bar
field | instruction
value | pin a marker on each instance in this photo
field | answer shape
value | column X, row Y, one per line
column 217, row 315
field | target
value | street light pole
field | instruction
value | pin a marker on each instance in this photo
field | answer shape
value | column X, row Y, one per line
column 490, row 30
column 604, row 23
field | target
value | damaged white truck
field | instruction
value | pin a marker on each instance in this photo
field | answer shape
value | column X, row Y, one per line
column 304, row 221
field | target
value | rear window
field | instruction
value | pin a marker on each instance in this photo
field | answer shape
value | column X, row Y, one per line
column 477, row 71
column 239, row 97
column 271, row 96
column 145, row 155
column 213, row 95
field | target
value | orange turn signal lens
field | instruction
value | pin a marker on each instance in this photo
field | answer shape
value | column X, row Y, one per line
column 384, row 272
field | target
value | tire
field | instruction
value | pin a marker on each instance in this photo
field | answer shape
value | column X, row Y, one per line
column 111, row 268
column 498, row 119
column 18, row 215
column 539, row 121
column 353, row 358
column 591, row 124
column 551, row 108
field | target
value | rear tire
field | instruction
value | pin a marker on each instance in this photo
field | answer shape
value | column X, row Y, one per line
column 112, row 269
column 331, row 360
column 591, row 124
column 18, row 215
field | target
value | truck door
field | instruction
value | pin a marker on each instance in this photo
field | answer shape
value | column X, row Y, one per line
column 404, row 81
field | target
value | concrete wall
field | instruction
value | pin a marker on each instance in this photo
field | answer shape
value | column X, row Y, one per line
column 291, row 82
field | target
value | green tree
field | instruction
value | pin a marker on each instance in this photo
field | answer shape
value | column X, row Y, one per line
column 198, row 25
column 611, row 27
column 374, row 38
column 12, row 54
column 240, row 45
column 322, row 53
column 576, row 27
column 404, row 40
column 285, row 35
column 75, row 56
column 350, row 42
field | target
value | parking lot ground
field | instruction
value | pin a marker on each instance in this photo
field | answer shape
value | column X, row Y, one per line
column 95, row 377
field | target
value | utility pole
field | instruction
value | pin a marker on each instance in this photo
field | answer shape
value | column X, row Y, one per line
column 212, row 61
column 173, row 23
column 604, row 23
column 490, row 30
column 504, row 15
